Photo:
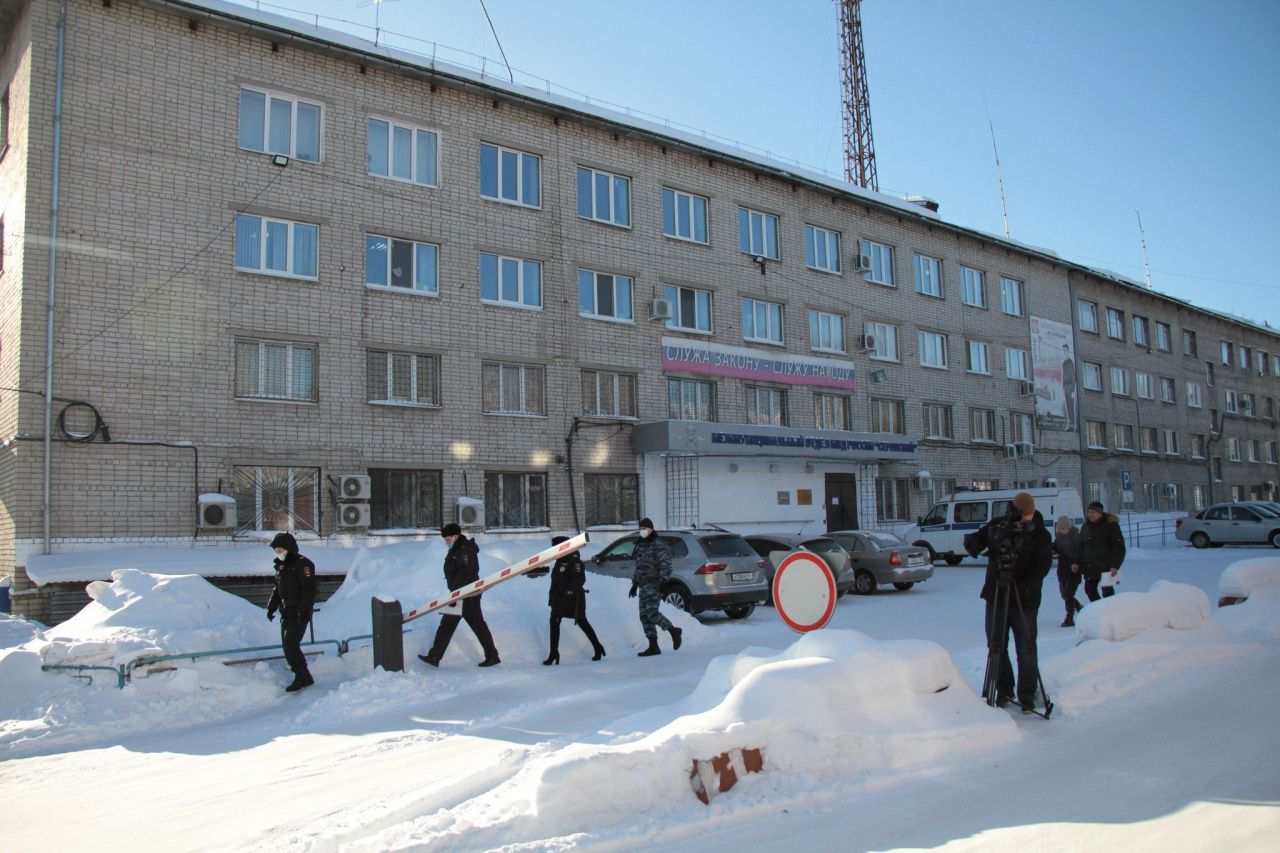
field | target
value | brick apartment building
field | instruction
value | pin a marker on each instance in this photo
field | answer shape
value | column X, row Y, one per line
column 355, row 291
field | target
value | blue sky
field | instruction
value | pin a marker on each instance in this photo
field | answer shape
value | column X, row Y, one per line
column 1170, row 107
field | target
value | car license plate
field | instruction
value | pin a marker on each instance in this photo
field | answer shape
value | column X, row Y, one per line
column 741, row 576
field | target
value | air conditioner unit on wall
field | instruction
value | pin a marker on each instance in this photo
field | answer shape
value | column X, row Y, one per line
column 866, row 343
column 1026, row 389
column 1010, row 451
column 217, row 512
column 1170, row 490
column 354, row 487
column 1025, row 448
column 862, row 263
column 659, row 309
column 923, row 482
column 469, row 512
column 353, row 515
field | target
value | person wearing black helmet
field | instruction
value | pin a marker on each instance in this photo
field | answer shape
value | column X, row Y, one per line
column 567, row 600
column 461, row 568
column 294, row 596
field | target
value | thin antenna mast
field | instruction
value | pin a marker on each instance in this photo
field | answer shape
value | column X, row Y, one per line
column 499, row 41
column 1142, row 236
column 1004, row 211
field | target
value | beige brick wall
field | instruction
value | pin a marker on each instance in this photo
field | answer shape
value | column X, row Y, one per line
column 150, row 305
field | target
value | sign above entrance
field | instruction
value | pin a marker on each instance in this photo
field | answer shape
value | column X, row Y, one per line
column 705, row 437
column 686, row 356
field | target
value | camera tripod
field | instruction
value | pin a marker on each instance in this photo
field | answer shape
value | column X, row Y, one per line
column 998, row 640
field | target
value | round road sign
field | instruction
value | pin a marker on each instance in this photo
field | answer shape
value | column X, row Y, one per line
column 804, row 591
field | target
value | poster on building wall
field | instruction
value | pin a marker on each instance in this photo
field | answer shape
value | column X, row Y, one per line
column 686, row 356
column 1053, row 366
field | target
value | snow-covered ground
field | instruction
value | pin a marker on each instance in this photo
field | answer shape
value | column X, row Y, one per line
column 873, row 733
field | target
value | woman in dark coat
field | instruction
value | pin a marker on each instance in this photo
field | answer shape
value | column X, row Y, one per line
column 1066, row 547
column 567, row 600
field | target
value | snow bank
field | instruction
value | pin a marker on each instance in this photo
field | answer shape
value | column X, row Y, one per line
column 1241, row 578
column 835, row 707
column 1257, row 618
column 15, row 631
column 139, row 613
column 1168, row 605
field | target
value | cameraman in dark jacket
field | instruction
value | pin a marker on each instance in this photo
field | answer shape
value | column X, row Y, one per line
column 461, row 568
column 1018, row 544
column 295, row 597
column 1101, row 550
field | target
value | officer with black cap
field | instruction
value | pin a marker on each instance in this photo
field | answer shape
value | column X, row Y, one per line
column 461, row 568
column 294, row 596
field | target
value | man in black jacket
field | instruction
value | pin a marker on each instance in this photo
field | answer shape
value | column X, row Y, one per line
column 1101, row 550
column 461, row 568
column 1020, row 545
column 295, row 597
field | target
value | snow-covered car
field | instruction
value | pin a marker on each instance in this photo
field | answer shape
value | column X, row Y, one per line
column 881, row 557
column 836, row 558
column 1230, row 523
column 709, row 570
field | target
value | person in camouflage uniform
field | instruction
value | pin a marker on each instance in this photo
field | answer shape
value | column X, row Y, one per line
column 653, row 569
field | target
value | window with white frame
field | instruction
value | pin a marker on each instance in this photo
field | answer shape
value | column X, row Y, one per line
column 513, row 389
column 1011, row 296
column 762, row 321
column 1248, row 407
column 1271, row 452
column 1167, row 394
column 1208, row 373
column 1189, row 346
column 402, row 152
column 942, row 487
column 1228, row 352
column 933, row 349
column 690, row 308
column 275, row 123
column 611, row 498
column 1170, row 441
column 757, row 233
column 1164, row 337
column 604, row 296
column 276, row 498
column 1198, row 445
column 1123, row 434
column 766, row 406
column 511, row 176
column 604, row 197
column 1144, row 385
column 937, row 421
column 1096, row 434
column 1119, row 382
column 973, row 287
column 1087, row 316
column 690, row 400
column 881, row 257
column 1233, row 449
column 826, row 332
column 1244, row 354
column 1115, row 324
column 1194, row 400
column 831, row 411
column 982, row 425
column 1015, row 363
column 1253, row 450
column 515, row 282
column 400, row 264
column 1231, row 401
column 1260, row 362
column 821, row 249
column 275, row 370
column 884, row 340
column 928, row 275
column 888, row 416
column 1140, row 337
column 1275, row 364
column 684, row 215
column 1092, row 376
column 979, row 358
column 402, row 378
column 1020, row 428
column 276, row 246
column 515, row 499
column 1147, row 436
column 608, row 393
column 893, row 499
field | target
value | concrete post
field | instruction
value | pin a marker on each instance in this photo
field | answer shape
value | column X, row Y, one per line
column 388, row 639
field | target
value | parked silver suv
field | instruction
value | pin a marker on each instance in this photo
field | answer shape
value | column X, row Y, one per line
column 710, row 570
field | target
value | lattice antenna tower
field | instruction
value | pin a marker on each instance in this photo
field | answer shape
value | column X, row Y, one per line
column 859, row 149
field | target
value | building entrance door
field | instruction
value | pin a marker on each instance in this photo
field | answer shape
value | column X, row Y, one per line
column 842, row 502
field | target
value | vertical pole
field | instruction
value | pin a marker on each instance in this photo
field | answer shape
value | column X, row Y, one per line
column 388, row 639
column 53, row 283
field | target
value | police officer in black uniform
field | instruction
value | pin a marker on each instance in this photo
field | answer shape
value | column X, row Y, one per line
column 294, row 596
column 461, row 568
column 567, row 599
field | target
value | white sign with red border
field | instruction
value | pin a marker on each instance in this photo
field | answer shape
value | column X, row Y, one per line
column 804, row 591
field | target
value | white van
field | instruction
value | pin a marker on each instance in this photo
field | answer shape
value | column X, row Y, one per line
column 942, row 529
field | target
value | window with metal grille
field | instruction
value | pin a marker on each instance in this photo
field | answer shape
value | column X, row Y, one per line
column 690, row 400
column 831, row 411
column 611, row 498
column 608, row 394
column 275, row 370
column 276, row 498
column 403, row 378
column 514, row 500
column 766, row 405
column 513, row 389
column 405, row 499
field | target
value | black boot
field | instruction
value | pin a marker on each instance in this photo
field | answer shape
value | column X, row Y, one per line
column 300, row 680
column 490, row 661
column 429, row 660
column 676, row 637
column 599, row 652
column 652, row 650
column 1070, row 621
column 554, row 657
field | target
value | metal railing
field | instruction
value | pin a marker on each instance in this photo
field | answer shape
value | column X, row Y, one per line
column 1151, row 533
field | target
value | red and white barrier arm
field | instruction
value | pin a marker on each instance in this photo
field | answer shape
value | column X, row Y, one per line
column 542, row 558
